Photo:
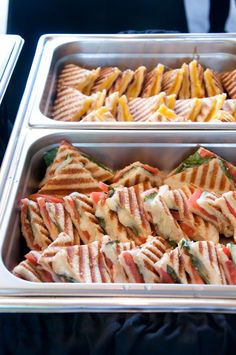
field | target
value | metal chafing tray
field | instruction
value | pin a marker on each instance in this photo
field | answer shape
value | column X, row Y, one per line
column 162, row 148
column 10, row 47
column 217, row 51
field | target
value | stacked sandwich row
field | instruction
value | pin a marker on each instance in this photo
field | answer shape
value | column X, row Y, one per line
column 140, row 226
column 107, row 94
column 107, row 261
column 71, row 105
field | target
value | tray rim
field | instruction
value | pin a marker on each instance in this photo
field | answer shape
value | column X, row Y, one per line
column 10, row 61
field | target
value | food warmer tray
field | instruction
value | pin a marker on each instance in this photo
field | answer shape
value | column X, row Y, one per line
column 10, row 47
column 217, row 51
column 162, row 148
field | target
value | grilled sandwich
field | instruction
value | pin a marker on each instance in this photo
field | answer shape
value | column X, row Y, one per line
column 192, row 262
column 184, row 92
column 122, row 82
column 84, row 263
column 105, row 79
column 227, row 259
column 81, row 210
column 161, row 217
column 123, row 112
column 228, row 80
column 194, row 226
column 212, row 83
column 98, row 100
column 141, row 108
column 55, row 217
column 172, row 81
column 189, row 108
column 70, row 178
column 152, row 81
column 209, row 107
column 111, row 103
column 171, row 268
column 45, row 259
column 222, row 116
column 136, row 173
column 99, row 115
column 206, row 205
column 203, row 169
column 169, row 101
column 32, row 226
column 66, row 157
column 127, row 203
column 139, row 263
column 76, row 77
column 205, row 260
column 135, row 86
column 111, row 250
column 230, row 107
column 30, row 272
column 196, row 79
column 227, row 204
column 165, row 114
column 70, row 105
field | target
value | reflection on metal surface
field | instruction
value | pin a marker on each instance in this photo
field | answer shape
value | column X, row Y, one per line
column 10, row 47
column 116, row 304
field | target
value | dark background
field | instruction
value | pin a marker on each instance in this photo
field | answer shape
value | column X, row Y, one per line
column 23, row 334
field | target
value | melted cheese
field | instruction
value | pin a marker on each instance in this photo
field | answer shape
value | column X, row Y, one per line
column 123, row 111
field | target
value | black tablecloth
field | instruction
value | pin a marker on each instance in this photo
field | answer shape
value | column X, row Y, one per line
column 118, row 334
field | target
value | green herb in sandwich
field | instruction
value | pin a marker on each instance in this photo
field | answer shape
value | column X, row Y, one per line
column 193, row 160
column 200, row 268
column 134, row 230
column 150, row 197
column 172, row 243
column 173, row 274
column 225, row 169
column 102, row 224
column 50, row 156
column 96, row 162
column 68, row 278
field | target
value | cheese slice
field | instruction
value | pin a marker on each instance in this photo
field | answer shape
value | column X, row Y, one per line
column 122, row 82
column 196, row 79
column 105, row 79
column 111, row 102
column 135, row 86
column 152, row 81
column 210, row 106
column 172, row 81
column 123, row 112
column 212, row 83
column 184, row 92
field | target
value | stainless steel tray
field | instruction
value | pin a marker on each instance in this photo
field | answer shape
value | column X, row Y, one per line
column 10, row 47
column 162, row 148
column 215, row 51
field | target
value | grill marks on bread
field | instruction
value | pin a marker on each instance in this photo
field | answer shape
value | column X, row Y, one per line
column 141, row 261
column 72, row 171
column 209, row 176
column 75, row 84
